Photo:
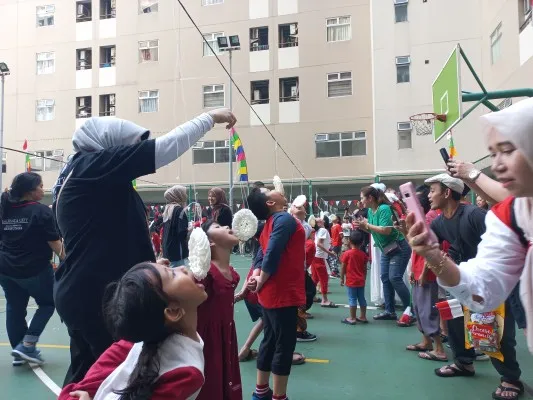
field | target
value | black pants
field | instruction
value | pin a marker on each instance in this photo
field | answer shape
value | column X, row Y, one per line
column 509, row 368
column 310, row 291
column 456, row 338
column 279, row 340
column 86, row 345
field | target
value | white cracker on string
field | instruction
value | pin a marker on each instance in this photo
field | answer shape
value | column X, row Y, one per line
column 299, row 201
column 244, row 224
column 278, row 185
column 199, row 253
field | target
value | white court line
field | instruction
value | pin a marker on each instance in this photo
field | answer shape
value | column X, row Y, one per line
column 46, row 379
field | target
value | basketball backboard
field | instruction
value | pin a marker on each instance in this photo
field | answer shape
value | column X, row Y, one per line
column 447, row 95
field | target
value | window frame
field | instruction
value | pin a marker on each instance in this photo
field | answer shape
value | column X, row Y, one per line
column 148, row 47
column 495, row 40
column 401, row 4
column 148, row 97
column 41, row 154
column 338, row 24
column 259, row 101
column 404, row 130
column 52, row 58
column 45, row 14
column 399, row 63
column 214, row 87
column 207, row 3
column 259, row 47
column 326, row 138
column 38, row 106
column 211, row 41
column 201, row 146
column 338, row 79
column 527, row 7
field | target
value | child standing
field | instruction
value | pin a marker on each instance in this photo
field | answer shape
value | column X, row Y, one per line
column 318, row 268
column 215, row 319
column 354, row 269
column 153, row 311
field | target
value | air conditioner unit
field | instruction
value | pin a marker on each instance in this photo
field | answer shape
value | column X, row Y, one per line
column 254, row 34
column 294, row 91
column 257, row 95
column 293, row 29
column 321, row 137
column 198, row 145
column 82, row 102
column 57, row 153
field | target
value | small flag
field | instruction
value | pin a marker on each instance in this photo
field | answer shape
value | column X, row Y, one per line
column 134, row 183
column 25, row 145
column 453, row 152
column 450, row 309
column 27, row 163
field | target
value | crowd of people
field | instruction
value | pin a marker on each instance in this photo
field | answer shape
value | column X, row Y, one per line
column 141, row 326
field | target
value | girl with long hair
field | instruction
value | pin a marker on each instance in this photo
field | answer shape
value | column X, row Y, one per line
column 219, row 211
column 28, row 237
column 152, row 312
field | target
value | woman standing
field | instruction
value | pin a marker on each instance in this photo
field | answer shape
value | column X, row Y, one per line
column 110, row 153
column 220, row 211
column 175, row 226
column 395, row 252
column 29, row 235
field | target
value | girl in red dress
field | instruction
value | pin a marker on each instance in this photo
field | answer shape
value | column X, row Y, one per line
column 215, row 319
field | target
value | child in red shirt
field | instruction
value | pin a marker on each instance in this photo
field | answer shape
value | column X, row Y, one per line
column 354, row 267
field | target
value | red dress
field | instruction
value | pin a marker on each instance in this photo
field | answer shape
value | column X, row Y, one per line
column 217, row 329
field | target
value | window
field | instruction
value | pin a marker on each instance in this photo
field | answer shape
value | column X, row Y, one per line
column 45, row 15
column 4, row 162
column 344, row 144
column 400, row 10
column 214, row 96
column 405, row 130
column 403, row 69
column 148, row 101
column 288, row 89
column 211, row 2
column 524, row 13
column 148, row 6
column 209, row 152
column 288, row 35
column 84, row 58
column 212, row 40
column 84, row 11
column 527, row 6
column 83, row 107
column 495, row 44
column 46, row 63
column 52, row 162
column 107, row 56
column 107, row 105
column 339, row 29
column 108, row 9
column 45, row 110
column 259, row 38
column 148, row 51
column 260, row 92
column 339, row 84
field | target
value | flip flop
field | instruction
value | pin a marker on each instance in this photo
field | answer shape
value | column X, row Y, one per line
column 503, row 389
column 300, row 360
column 416, row 347
column 252, row 355
column 345, row 321
column 363, row 321
column 330, row 305
column 456, row 369
column 428, row 355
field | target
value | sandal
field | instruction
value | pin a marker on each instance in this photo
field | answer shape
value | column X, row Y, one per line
column 347, row 322
column 417, row 347
column 456, row 370
column 428, row 355
column 519, row 391
column 363, row 321
column 252, row 355
column 329, row 305
column 298, row 361
column 317, row 300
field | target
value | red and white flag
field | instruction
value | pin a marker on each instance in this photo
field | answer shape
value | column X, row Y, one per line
column 450, row 309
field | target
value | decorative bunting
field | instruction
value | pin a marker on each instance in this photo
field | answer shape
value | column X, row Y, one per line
column 28, row 161
column 134, row 183
column 240, row 156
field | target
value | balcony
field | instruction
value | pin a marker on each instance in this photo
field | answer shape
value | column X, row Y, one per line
column 288, row 52
column 84, row 25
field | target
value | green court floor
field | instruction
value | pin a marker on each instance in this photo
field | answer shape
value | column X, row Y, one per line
column 348, row 362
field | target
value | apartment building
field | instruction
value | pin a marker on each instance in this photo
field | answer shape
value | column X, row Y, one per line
column 334, row 82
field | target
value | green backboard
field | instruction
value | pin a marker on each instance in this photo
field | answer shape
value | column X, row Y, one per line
column 447, row 96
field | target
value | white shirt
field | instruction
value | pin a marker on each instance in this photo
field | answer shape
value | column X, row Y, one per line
column 346, row 229
column 322, row 234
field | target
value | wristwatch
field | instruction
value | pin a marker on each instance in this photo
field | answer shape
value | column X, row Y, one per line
column 474, row 174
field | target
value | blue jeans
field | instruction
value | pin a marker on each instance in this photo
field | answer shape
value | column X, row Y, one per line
column 393, row 268
column 356, row 294
column 18, row 293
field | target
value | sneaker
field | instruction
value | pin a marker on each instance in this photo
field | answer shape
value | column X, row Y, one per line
column 17, row 361
column 386, row 316
column 305, row 337
column 482, row 357
column 30, row 354
column 267, row 396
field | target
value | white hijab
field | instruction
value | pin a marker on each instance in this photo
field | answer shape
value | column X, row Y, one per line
column 516, row 124
column 99, row 133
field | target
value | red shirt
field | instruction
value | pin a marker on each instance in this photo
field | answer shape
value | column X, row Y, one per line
column 355, row 261
column 156, row 241
column 336, row 235
column 310, row 250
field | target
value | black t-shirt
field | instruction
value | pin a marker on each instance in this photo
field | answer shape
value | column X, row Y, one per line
column 27, row 227
column 463, row 231
column 175, row 231
column 224, row 218
column 101, row 245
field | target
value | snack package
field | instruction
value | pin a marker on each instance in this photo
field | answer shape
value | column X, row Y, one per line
column 484, row 331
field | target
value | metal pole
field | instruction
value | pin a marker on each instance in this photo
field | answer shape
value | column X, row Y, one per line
column 2, row 134
column 230, row 147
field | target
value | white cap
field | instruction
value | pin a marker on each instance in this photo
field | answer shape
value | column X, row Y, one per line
column 450, row 182
column 379, row 186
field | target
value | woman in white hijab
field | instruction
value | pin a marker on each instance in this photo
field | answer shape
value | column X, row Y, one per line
column 101, row 241
column 505, row 254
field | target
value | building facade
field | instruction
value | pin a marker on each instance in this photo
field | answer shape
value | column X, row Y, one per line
column 334, row 82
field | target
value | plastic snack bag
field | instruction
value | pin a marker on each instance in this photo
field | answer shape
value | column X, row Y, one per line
column 484, row 331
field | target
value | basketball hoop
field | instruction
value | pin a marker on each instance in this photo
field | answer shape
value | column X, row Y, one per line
column 423, row 123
